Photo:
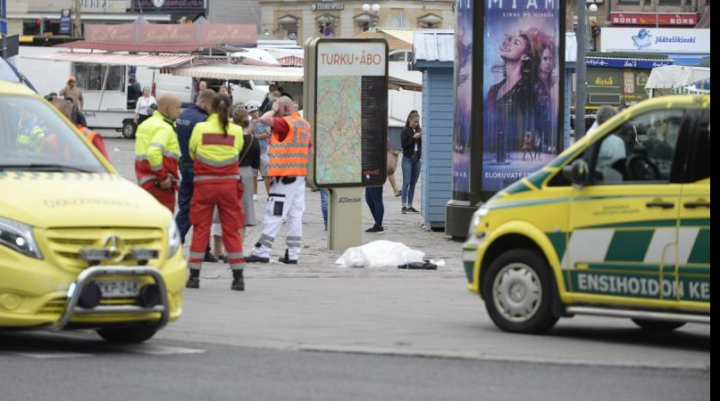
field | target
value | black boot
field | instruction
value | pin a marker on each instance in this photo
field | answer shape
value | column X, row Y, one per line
column 194, row 279
column 257, row 259
column 286, row 260
column 238, row 283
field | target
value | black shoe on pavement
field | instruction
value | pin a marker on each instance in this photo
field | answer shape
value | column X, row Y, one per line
column 210, row 258
column 412, row 210
column 238, row 283
column 194, row 280
column 375, row 230
column 286, row 259
column 256, row 259
column 404, row 210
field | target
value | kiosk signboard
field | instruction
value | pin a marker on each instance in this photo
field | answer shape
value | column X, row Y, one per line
column 350, row 93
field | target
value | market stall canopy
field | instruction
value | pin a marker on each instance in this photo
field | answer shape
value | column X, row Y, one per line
column 272, row 74
column 676, row 76
column 242, row 73
column 139, row 47
column 139, row 60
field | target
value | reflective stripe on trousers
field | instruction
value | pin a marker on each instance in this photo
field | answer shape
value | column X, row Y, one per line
column 199, row 178
column 292, row 197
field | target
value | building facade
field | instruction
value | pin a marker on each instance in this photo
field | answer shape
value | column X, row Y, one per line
column 303, row 19
column 42, row 17
column 638, row 13
column 678, row 13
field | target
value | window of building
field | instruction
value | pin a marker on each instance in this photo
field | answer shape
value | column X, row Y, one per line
column 327, row 26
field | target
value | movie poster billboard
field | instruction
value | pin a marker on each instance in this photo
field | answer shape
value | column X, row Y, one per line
column 521, row 89
column 463, row 99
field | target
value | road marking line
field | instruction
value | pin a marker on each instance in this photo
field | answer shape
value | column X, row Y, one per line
column 157, row 350
column 50, row 355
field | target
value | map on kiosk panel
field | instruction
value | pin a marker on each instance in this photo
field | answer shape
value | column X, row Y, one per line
column 339, row 130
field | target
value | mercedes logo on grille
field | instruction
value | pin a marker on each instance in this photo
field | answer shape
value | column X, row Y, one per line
column 115, row 247
column 158, row 3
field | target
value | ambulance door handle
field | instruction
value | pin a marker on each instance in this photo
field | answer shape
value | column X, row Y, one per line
column 697, row 205
column 661, row 205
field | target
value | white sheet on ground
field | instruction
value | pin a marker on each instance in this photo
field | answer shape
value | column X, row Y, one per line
column 380, row 254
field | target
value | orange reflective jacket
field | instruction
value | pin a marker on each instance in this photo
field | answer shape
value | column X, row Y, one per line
column 289, row 157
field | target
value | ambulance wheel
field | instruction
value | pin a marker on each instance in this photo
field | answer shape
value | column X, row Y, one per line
column 133, row 335
column 128, row 129
column 658, row 327
column 518, row 293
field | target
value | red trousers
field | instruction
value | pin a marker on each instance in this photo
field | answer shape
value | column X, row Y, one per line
column 164, row 196
column 227, row 196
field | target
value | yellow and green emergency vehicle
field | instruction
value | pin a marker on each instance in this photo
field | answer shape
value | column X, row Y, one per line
column 80, row 246
column 617, row 226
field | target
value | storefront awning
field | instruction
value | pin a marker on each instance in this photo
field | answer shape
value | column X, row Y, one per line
column 138, row 60
column 693, row 60
column 140, row 47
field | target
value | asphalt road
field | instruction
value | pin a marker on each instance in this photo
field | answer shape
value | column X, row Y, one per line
column 84, row 368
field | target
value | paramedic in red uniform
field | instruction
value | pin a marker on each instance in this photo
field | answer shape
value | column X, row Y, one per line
column 215, row 147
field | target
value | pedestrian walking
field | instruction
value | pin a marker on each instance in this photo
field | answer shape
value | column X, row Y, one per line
column 157, row 152
column 289, row 153
column 393, row 158
column 538, row 145
column 77, row 116
column 268, row 101
column 412, row 150
column 186, row 123
column 65, row 108
column 215, row 148
column 224, row 90
column 144, row 106
column 325, row 205
column 262, row 135
column 374, row 199
column 71, row 91
column 249, row 165
column 202, row 87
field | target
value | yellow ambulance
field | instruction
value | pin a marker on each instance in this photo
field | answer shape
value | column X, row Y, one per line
column 617, row 226
column 80, row 247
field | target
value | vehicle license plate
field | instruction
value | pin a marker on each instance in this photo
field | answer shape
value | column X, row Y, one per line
column 119, row 288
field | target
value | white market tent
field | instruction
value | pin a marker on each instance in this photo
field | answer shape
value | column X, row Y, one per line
column 243, row 73
column 271, row 74
column 664, row 80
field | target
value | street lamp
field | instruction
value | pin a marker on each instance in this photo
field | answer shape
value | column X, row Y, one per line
column 375, row 8
column 582, row 34
column 592, row 7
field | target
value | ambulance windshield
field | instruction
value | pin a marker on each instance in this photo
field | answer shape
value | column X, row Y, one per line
column 33, row 137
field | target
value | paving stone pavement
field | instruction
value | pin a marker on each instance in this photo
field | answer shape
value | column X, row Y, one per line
column 316, row 259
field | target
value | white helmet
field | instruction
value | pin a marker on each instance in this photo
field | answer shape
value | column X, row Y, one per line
column 252, row 106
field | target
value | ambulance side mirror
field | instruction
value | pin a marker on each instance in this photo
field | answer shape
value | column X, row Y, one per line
column 578, row 173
